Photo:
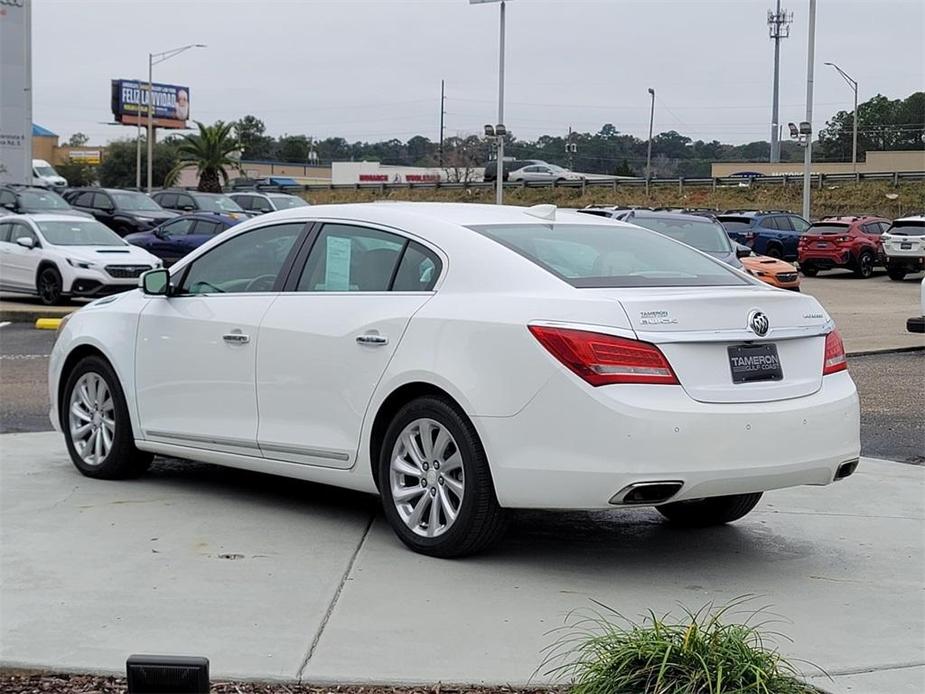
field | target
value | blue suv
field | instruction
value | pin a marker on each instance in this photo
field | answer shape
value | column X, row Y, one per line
column 175, row 238
column 772, row 232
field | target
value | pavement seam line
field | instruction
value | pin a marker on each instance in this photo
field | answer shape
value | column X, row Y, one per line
column 334, row 600
column 874, row 668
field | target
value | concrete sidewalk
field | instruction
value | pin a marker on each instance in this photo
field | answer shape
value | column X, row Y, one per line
column 278, row 579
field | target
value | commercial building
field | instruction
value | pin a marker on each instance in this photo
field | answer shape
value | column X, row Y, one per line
column 907, row 161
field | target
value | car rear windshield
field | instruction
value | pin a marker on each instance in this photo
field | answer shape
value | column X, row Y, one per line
column 285, row 202
column 135, row 202
column 42, row 200
column 89, row 233
column 735, row 223
column 218, row 203
column 702, row 234
column 912, row 227
column 587, row 255
column 828, row 228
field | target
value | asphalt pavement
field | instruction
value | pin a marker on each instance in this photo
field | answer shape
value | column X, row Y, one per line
column 892, row 388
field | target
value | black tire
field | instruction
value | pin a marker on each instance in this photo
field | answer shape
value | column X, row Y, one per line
column 123, row 460
column 49, row 287
column 896, row 272
column 774, row 252
column 480, row 520
column 809, row 270
column 700, row 513
column 864, row 266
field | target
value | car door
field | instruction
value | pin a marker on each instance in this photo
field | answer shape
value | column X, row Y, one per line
column 195, row 350
column 186, row 202
column 104, row 209
column 22, row 263
column 168, row 240
column 325, row 344
column 6, row 251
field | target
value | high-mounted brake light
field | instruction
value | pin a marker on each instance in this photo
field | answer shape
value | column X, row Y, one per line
column 603, row 359
column 835, row 358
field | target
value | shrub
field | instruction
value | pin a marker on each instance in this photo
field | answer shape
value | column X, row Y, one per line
column 699, row 654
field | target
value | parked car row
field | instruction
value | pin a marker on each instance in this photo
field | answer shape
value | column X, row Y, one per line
column 57, row 247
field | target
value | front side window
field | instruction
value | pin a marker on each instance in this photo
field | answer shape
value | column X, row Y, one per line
column 588, row 256
column 186, row 201
column 135, row 202
column 245, row 202
column 167, row 200
column 286, row 202
column 21, row 231
column 204, row 228
column 85, row 199
column 872, row 228
column 346, row 258
column 180, row 227
column 82, row 233
column 249, row 262
column 101, row 201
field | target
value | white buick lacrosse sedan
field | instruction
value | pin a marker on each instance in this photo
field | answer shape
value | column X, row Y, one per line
column 461, row 360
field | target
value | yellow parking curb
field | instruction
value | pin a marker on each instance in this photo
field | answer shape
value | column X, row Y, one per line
column 48, row 323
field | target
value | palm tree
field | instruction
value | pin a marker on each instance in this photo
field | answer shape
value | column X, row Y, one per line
column 210, row 151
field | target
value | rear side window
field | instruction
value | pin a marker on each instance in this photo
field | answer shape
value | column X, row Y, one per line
column 348, row 258
column 589, row 256
column 418, row 270
column 5, row 232
column 207, row 228
column 872, row 228
column 779, row 223
column 168, row 200
column 912, row 227
column 85, row 199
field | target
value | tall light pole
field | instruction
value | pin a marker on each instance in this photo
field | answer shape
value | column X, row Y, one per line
column 808, row 152
column 778, row 28
column 649, row 153
column 854, row 139
column 499, row 179
column 154, row 59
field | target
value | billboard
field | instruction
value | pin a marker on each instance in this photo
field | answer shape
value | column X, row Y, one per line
column 130, row 102
column 15, row 91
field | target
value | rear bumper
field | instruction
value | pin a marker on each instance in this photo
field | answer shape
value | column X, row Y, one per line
column 575, row 447
column 825, row 260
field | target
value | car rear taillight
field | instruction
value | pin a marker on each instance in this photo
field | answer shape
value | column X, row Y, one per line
column 749, row 235
column 835, row 358
column 840, row 239
column 604, row 359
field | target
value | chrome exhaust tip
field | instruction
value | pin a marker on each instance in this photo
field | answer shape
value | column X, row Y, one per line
column 646, row 493
column 846, row 469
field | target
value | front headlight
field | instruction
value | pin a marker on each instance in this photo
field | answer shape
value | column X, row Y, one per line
column 82, row 264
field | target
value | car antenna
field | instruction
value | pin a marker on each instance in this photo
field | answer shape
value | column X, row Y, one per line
column 547, row 212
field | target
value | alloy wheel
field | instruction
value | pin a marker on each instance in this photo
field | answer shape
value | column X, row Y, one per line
column 92, row 418
column 49, row 288
column 426, row 477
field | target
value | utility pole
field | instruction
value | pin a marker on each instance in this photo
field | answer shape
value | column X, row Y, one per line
column 570, row 149
column 649, row 151
column 442, row 114
column 778, row 28
column 808, row 152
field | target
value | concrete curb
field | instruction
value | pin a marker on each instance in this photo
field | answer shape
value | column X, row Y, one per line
column 32, row 315
column 886, row 350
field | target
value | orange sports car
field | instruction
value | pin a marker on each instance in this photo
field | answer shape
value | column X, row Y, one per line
column 774, row 271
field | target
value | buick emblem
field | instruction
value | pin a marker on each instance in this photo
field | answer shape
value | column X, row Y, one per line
column 758, row 323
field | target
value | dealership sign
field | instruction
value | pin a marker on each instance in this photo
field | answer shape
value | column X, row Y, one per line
column 130, row 103
column 15, row 91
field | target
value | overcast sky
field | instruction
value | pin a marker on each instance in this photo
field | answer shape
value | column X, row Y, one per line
column 371, row 70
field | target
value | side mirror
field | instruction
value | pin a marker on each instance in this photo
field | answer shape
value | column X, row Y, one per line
column 10, row 206
column 26, row 242
column 742, row 251
column 265, row 210
column 161, row 233
column 187, row 208
column 156, row 282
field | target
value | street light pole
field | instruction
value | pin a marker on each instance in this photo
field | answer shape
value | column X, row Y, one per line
column 499, row 192
column 649, row 152
column 854, row 138
column 808, row 152
column 154, row 59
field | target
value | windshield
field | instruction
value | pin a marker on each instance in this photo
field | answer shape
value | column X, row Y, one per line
column 42, row 200
column 45, row 171
column 912, row 227
column 285, row 202
column 702, row 234
column 89, row 233
column 135, row 202
column 735, row 223
column 218, row 203
column 610, row 256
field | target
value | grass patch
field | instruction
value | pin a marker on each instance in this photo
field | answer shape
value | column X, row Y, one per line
column 602, row 652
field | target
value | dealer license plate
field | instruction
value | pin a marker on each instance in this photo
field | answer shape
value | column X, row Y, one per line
column 750, row 363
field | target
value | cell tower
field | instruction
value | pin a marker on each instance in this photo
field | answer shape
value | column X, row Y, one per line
column 778, row 28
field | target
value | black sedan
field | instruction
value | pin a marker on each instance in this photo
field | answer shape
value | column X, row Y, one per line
column 123, row 211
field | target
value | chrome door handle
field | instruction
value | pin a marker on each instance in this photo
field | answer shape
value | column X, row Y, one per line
column 236, row 338
column 375, row 340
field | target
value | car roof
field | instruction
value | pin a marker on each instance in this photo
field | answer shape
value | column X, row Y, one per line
column 848, row 219
column 677, row 216
column 911, row 218
column 207, row 216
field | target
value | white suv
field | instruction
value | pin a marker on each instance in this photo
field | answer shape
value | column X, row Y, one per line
column 904, row 246
column 56, row 256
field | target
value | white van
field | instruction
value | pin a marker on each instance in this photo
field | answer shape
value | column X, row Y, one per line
column 44, row 175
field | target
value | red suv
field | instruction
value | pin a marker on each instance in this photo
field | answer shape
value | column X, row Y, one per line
column 847, row 242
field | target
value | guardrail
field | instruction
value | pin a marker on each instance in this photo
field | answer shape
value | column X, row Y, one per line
column 818, row 179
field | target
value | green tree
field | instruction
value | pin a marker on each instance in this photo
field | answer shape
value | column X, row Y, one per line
column 293, row 148
column 883, row 124
column 251, row 134
column 210, row 151
column 77, row 173
column 117, row 169
column 78, row 140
